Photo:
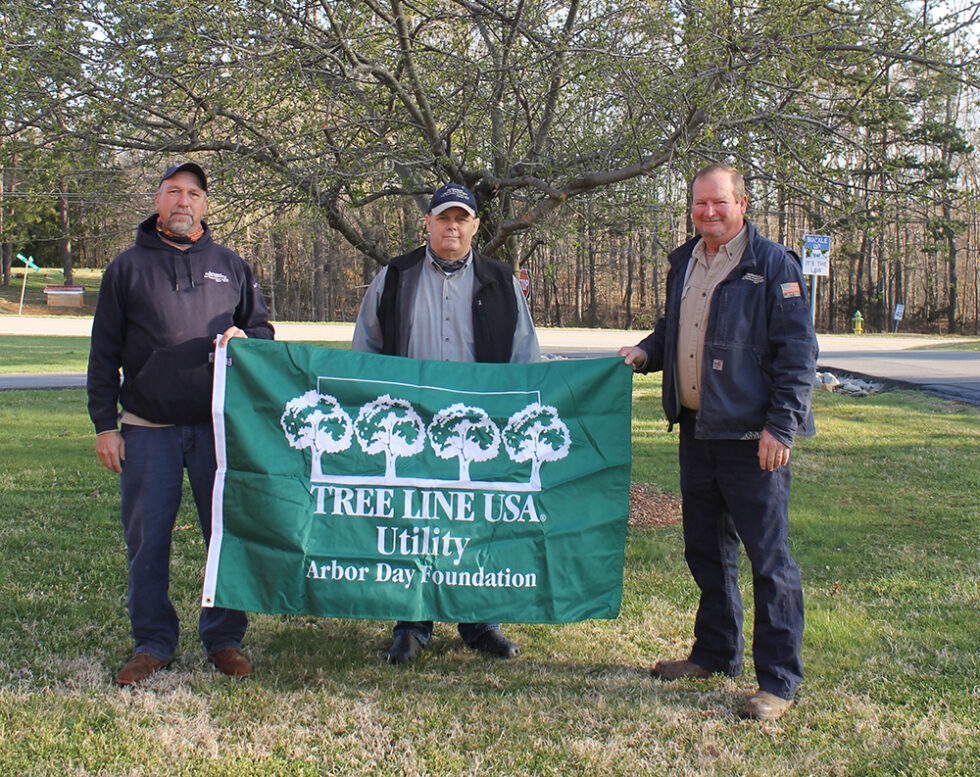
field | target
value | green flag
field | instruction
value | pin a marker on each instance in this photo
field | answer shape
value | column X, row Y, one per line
column 365, row 486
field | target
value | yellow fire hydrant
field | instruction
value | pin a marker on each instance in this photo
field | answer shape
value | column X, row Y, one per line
column 857, row 322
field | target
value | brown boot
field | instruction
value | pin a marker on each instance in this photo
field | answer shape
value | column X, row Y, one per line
column 139, row 667
column 765, row 706
column 675, row 670
column 232, row 662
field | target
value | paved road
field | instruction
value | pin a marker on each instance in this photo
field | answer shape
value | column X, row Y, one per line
column 951, row 374
column 954, row 374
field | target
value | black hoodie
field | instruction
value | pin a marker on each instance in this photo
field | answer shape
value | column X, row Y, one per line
column 158, row 312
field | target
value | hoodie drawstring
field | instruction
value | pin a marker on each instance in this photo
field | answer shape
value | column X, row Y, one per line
column 187, row 265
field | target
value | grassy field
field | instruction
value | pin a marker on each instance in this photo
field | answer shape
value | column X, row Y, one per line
column 50, row 354
column 885, row 527
column 43, row 354
column 35, row 303
column 955, row 345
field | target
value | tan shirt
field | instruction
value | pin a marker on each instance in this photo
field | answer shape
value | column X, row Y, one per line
column 131, row 419
column 134, row 420
column 704, row 273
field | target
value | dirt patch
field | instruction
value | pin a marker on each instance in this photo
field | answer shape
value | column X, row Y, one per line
column 651, row 509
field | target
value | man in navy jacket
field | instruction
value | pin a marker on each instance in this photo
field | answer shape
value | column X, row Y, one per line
column 161, row 305
column 738, row 355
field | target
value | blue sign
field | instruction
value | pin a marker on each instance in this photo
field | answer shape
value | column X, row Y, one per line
column 816, row 254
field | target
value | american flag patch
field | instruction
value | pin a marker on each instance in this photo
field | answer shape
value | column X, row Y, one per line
column 790, row 289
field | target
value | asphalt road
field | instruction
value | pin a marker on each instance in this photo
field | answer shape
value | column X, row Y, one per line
column 892, row 358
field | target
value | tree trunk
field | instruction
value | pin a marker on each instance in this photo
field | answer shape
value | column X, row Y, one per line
column 641, row 262
column 781, row 213
column 629, row 281
column 319, row 265
column 6, row 252
column 859, row 270
column 952, row 285
column 64, row 222
column 579, row 264
column 278, row 275
column 593, row 306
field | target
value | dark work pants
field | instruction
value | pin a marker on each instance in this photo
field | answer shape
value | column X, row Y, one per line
column 151, row 484
column 727, row 497
column 422, row 630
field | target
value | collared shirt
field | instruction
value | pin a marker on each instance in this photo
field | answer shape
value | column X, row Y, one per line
column 441, row 325
column 442, row 317
column 704, row 273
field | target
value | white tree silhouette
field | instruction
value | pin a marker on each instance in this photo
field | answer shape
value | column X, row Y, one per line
column 390, row 426
column 536, row 433
column 467, row 433
column 317, row 421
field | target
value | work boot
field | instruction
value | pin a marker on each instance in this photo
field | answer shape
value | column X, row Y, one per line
column 403, row 649
column 494, row 643
column 675, row 670
column 232, row 662
column 765, row 706
column 139, row 667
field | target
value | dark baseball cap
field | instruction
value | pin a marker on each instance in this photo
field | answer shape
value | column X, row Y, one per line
column 190, row 167
column 453, row 195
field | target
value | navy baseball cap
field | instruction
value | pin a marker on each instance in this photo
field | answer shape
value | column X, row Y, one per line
column 452, row 195
column 190, row 167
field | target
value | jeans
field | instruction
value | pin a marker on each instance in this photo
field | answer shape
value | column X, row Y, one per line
column 151, row 484
column 728, row 498
column 422, row 630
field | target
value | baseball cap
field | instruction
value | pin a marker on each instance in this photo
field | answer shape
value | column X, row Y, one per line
column 190, row 167
column 452, row 195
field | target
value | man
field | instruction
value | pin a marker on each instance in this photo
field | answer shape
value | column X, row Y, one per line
column 447, row 301
column 160, row 306
column 738, row 354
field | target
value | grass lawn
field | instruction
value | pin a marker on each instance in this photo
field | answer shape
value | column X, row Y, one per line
column 19, row 353
column 954, row 345
column 35, row 303
column 884, row 527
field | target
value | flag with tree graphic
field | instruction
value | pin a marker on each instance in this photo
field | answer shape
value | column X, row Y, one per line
column 318, row 422
column 392, row 427
column 358, row 485
column 465, row 433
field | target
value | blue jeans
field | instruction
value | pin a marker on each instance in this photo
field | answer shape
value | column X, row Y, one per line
column 151, row 484
column 422, row 630
column 728, row 498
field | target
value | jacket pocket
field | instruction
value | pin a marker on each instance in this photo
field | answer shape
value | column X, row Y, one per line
column 174, row 385
column 741, row 314
column 735, row 392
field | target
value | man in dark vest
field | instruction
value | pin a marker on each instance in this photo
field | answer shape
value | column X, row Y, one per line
column 447, row 301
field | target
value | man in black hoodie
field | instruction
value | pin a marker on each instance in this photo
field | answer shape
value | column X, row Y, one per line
column 161, row 305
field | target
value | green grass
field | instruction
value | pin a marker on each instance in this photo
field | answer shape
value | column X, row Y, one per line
column 885, row 522
column 19, row 353
column 35, row 303
column 953, row 345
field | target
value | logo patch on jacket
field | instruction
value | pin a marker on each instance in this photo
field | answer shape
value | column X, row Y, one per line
column 790, row 289
column 751, row 276
column 217, row 277
column 718, row 364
